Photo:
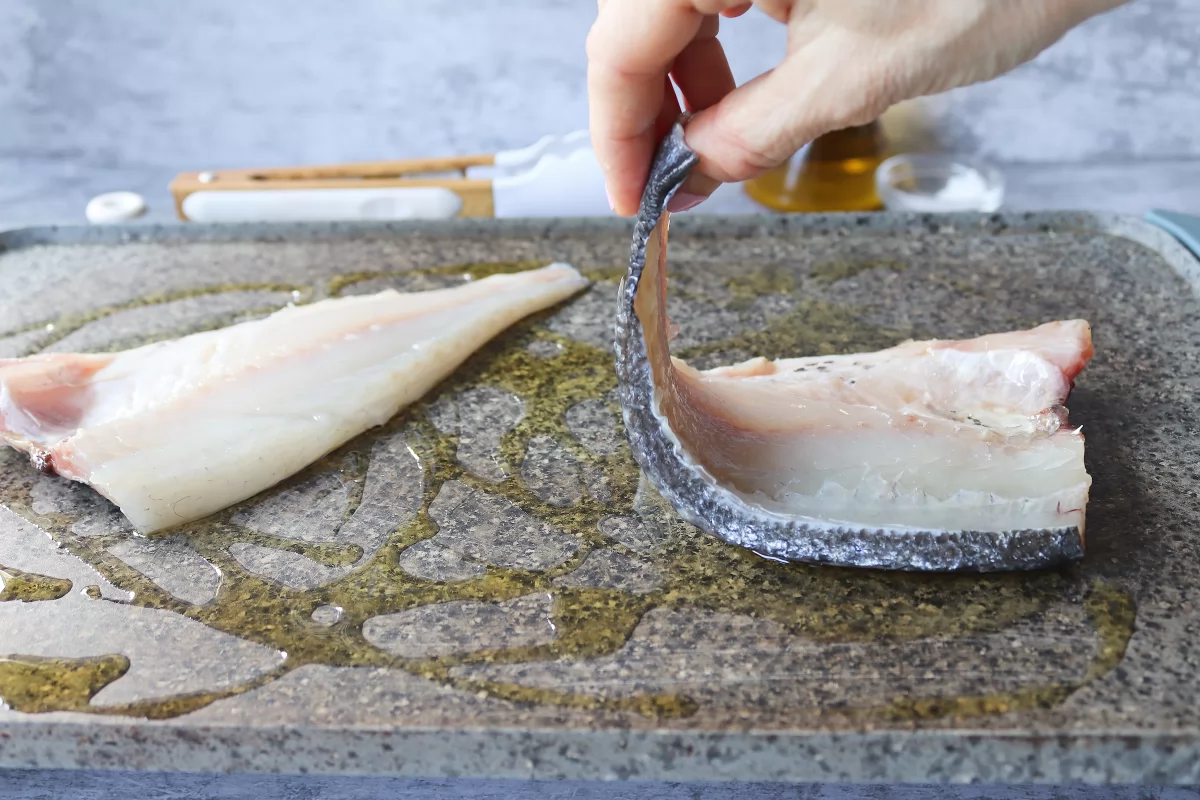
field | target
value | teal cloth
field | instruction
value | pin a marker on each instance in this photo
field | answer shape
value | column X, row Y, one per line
column 1183, row 227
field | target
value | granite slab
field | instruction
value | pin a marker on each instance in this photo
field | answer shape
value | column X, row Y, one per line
column 485, row 588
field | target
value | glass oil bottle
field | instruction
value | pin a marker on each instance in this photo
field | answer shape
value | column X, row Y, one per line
column 835, row 172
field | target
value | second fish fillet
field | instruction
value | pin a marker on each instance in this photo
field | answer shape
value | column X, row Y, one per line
column 177, row 430
column 930, row 456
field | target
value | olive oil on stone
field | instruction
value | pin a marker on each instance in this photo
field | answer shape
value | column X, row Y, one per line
column 699, row 571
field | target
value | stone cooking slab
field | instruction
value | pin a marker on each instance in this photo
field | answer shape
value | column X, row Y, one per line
column 485, row 587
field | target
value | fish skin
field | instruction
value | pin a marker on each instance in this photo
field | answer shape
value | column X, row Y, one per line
column 176, row 430
column 654, row 388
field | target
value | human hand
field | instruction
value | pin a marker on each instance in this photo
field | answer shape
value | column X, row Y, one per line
column 847, row 61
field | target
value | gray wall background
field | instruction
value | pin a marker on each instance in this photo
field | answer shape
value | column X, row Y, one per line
column 122, row 94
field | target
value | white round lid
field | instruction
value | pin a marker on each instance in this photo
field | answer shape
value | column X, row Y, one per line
column 115, row 207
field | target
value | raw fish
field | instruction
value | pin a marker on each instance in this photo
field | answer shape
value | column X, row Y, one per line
column 177, row 430
column 935, row 455
column 957, row 435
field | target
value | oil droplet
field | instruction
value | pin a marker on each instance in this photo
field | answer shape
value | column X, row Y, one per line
column 327, row 615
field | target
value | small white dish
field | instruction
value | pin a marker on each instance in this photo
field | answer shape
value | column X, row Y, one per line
column 938, row 184
column 114, row 207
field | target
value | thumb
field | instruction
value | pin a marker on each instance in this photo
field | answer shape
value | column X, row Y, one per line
column 762, row 123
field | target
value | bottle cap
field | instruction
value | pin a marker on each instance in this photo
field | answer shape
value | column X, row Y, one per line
column 113, row 207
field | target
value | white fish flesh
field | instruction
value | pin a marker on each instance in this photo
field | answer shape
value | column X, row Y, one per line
column 967, row 435
column 936, row 455
column 177, row 430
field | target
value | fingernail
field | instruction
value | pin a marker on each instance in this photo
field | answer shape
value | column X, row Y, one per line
column 682, row 201
column 611, row 205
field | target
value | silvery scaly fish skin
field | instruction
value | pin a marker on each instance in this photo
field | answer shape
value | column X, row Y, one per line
column 737, row 516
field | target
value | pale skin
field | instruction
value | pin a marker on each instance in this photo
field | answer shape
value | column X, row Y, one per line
column 846, row 62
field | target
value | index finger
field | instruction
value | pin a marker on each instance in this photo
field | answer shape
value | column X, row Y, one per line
column 630, row 50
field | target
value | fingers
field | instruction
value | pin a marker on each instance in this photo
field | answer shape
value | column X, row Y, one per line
column 761, row 124
column 668, row 115
column 847, row 62
column 701, row 70
column 631, row 47
column 704, row 78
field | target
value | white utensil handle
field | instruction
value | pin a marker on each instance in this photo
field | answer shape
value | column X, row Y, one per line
column 528, row 156
column 559, row 185
column 309, row 205
column 509, row 163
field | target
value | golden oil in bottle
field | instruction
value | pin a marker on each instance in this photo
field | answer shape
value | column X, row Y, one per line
column 835, row 172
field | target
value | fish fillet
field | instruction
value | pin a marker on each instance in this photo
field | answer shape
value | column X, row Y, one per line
column 935, row 455
column 945, row 434
column 177, row 430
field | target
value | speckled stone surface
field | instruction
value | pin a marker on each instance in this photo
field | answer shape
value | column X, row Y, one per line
column 503, row 640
